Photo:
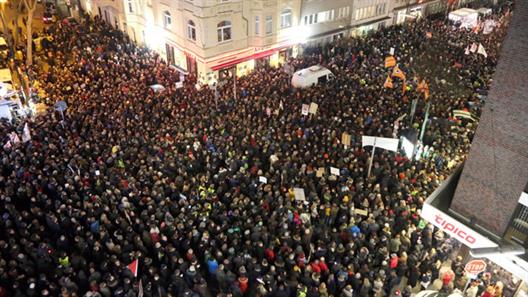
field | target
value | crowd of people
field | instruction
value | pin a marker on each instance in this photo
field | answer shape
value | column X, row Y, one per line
column 202, row 194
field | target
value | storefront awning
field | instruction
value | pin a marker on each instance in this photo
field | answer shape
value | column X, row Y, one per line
column 257, row 55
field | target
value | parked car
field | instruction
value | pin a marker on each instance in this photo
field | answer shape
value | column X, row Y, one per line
column 48, row 17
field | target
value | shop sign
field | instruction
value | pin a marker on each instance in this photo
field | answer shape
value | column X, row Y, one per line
column 454, row 228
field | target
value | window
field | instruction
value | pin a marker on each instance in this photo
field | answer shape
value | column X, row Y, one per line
column 321, row 16
column 257, row 25
column 130, row 6
column 343, row 12
column 269, row 24
column 286, row 18
column 368, row 12
column 314, row 19
column 170, row 54
column 166, row 19
column 380, row 8
column 325, row 16
column 224, row 31
column 191, row 30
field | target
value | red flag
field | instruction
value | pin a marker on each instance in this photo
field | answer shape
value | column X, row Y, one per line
column 134, row 267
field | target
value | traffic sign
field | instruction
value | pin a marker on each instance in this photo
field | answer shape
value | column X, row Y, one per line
column 475, row 267
column 61, row 106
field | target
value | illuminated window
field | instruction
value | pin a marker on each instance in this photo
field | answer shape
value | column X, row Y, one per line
column 269, row 24
column 224, row 31
column 286, row 18
column 167, row 20
column 191, row 30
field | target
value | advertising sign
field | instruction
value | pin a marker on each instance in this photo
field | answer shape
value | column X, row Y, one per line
column 454, row 228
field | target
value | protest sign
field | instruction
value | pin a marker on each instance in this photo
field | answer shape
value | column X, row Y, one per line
column 313, row 108
column 320, row 172
column 345, row 139
column 305, row 109
column 334, row 171
column 299, row 194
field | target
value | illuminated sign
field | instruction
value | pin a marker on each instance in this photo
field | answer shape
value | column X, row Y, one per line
column 454, row 228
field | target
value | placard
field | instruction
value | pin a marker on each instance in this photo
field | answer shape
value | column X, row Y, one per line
column 263, row 179
column 345, row 139
column 299, row 194
column 334, row 171
column 320, row 172
column 305, row 109
column 313, row 108
column 361, row 212
column 179, row 85
column 391, row 52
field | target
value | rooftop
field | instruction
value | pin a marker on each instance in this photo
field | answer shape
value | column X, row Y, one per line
column 496, row 171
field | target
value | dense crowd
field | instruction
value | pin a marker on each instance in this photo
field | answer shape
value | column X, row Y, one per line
column 172, row 180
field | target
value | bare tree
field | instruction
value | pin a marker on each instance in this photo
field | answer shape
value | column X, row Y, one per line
column 4, row 24
column 19, row 9
column 31, row 5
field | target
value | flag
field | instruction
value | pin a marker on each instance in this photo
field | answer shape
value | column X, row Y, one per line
column 388, row 83
column 476, row 28
column 426, row 93
column 421, row 86
column 488, row 27
column 429, row 35
column 140, row 289
column 26, row 136
column 14, row 138
column 398, row 73
column 473, row 47
column 134, row 267
column 390, row 61
column 459, row 113
column 482, row 50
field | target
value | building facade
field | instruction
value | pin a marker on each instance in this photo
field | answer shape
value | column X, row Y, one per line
column 213, row 39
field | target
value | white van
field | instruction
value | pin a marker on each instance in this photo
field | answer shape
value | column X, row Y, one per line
column 311, row 76
column 468, row 18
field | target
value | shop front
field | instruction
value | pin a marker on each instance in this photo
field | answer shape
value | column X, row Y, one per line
column 505, row 260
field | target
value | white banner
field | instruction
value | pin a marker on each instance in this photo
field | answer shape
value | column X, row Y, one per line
column 390, row 144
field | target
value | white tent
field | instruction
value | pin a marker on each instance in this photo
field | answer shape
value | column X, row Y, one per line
column 466, row 16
